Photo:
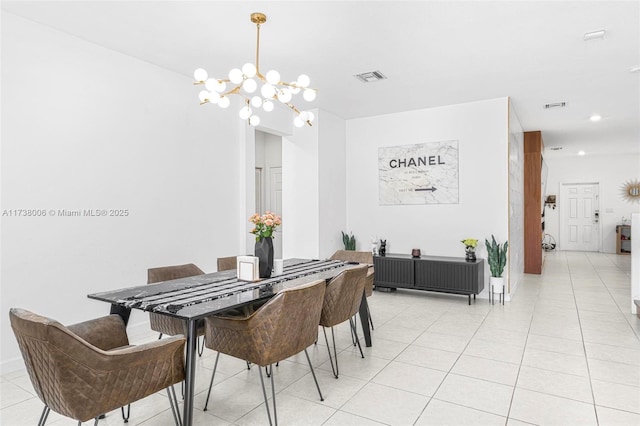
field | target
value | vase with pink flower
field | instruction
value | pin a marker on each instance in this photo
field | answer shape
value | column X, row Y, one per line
column 264, row 227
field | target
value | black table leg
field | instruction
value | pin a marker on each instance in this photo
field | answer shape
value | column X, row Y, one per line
column 190, row 371
column 364, row 320
column 124, row 313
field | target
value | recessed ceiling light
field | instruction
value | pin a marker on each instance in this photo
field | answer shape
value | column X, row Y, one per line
column 635, row 69
column 595, row 117
column 581, row 152
column 594, row 35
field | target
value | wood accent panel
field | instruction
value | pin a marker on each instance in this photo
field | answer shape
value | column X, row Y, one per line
column 533, row 233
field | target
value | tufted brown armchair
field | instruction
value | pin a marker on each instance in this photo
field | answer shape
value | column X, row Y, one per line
column 227, row 263
column 164, row 324
column 88, row 369
column 341, row 302
column 284, row 326
column 360, row 257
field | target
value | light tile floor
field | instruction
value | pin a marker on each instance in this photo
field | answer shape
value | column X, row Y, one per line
column 565, row 351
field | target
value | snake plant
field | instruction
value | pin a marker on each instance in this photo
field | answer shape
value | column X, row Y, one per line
column 349, row 241
column 496, row 256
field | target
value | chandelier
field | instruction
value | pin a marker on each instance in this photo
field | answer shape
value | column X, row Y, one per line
column 244, row 83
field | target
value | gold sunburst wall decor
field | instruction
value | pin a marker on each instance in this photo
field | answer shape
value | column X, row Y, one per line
column 631, row 191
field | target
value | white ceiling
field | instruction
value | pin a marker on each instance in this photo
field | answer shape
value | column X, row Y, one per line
column 433, row 53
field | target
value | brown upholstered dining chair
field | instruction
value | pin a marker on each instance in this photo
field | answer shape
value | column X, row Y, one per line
column 360, row 257
column 341, row 302
column 284, row 326
column 227, row 263
column 164, row 324
column 87, row 369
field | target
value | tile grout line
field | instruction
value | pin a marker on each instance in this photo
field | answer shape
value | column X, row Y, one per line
column 515, row 385
column 584, row 346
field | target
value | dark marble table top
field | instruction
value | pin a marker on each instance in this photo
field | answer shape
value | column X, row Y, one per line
column 202, row 295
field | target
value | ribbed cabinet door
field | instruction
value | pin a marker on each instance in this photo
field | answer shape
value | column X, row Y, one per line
column 393, row 271
column 452, row 277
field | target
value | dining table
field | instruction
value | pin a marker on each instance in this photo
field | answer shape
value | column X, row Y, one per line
column 194, row 298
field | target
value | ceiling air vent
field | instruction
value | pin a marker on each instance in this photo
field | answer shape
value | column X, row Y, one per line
column 555, row 105
column 368, row 77
column 556, row 148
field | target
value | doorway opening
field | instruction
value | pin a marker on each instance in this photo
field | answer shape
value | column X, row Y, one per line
column 580, row 216
column 268, row 187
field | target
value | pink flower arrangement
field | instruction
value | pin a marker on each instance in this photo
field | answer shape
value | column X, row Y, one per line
column 265, row 225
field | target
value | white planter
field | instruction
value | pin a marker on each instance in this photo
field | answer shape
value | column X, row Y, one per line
column 496, row 284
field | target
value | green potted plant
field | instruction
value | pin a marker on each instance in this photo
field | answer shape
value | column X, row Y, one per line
column 497, row 259
column 349, row 241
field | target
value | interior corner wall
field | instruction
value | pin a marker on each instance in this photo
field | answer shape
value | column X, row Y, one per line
column 611, row 172
column 516, row 202
column 82, row 133
column 300, row 193
column 332, row 177
column 481, row 129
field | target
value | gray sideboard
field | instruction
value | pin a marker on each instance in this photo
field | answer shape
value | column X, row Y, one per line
column 429, row 273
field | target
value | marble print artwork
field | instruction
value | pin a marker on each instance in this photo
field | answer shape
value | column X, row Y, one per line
column 425, row 173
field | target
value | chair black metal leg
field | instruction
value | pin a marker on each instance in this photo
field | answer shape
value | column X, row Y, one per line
column 173, row 401
column 355, row 332
column 215, row 366
column 313, row 373
column 268, row 370
column 273, row 395
column 200, row 346
column 159, row 336
column 44, row 415
column 266, row 400
column 334, row 369
column 370, row 319
column 126, row 418
column 353, row 339
column 248, row 365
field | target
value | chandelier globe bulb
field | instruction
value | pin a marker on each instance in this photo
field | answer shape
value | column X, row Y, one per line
column 254, row 120
column 200, row 74
column 224, row 102
column 268, row 91
column 249, row 70
column 267, row 106
column 309, row 95
column 284, row 95
column 256, row 102
column 236, row 76
column 249, row 85
column 273, row 77
column 304, row 80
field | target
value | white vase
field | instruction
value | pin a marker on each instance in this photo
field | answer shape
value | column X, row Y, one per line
column 496, row 286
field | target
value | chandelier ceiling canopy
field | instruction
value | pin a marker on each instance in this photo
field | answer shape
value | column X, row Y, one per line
column 244, row 83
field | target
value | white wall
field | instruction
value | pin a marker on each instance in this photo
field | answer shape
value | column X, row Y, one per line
column 332, row 176
column 516, row 202
column 611, row 172
column 482, row 131
column 84, row 127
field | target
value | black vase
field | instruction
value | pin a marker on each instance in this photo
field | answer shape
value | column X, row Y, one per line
column 470, row 254
column 264, row 252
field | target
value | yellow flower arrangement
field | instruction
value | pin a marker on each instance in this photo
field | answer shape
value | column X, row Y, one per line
column 470, row 242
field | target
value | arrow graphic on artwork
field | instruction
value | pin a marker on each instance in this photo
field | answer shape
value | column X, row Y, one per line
column 432, row 189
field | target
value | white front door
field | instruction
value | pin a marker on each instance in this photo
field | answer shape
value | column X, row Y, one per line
column 579, row 217
column 275, row 206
